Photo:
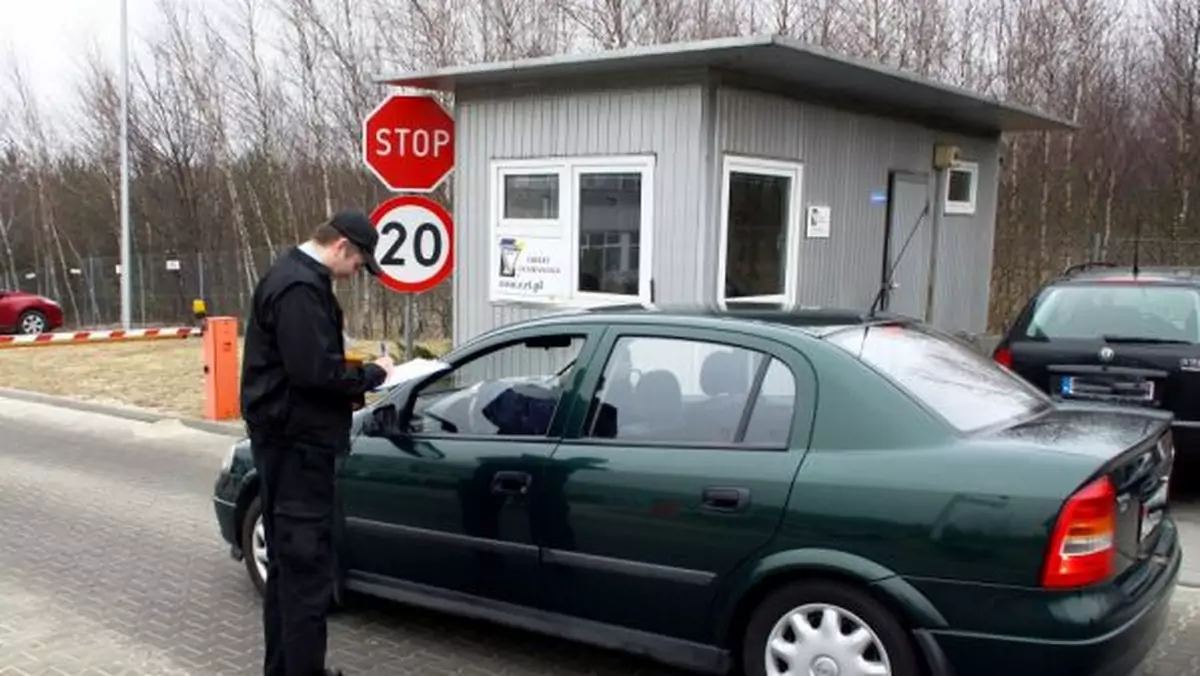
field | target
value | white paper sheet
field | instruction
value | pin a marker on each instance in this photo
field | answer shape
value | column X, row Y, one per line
column 412, row 370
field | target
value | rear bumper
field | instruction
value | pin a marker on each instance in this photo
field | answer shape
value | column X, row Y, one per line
column 1116, row 651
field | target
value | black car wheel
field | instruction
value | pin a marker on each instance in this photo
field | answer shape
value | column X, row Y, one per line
column 254, row 545
column 32, row 322
column 825, row 628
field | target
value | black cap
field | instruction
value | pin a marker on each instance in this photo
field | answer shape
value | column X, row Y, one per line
column 356, row 227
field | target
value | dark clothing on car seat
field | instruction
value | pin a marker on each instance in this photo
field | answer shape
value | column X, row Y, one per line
column 297, row 397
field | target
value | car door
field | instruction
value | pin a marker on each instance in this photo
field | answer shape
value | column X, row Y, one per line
column 665, row 480
column 437, row 489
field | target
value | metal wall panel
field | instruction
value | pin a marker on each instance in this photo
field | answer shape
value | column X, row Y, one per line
column 664, row 121
column 846, row 158
column 962, row 288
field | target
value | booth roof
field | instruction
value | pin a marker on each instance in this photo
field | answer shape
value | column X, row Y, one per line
column 785, row 62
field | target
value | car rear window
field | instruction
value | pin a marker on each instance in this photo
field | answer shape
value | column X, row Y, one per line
column 967, row 389
column 1116, row 311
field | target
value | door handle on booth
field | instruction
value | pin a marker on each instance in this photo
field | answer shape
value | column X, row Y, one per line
column 725, row 499
column 511, row 483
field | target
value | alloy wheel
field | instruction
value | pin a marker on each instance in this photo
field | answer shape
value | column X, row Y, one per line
column 31, row 324
column 824, row 640
column 258, row 548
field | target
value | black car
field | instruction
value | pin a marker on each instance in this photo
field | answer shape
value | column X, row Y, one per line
column 1114, row 334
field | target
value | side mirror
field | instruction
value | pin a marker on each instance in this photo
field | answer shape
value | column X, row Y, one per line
column 382, row 421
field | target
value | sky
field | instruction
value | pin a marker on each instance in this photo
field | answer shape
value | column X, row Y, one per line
column 50, row 39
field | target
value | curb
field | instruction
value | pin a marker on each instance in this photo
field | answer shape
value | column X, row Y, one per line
column 126, row 412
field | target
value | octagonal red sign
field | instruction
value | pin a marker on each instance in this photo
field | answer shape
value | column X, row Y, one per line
column 408, row 142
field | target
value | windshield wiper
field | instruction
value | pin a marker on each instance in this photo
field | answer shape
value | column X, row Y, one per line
column 1136, row 339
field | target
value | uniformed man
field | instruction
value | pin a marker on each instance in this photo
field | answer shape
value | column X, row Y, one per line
column 297, row 397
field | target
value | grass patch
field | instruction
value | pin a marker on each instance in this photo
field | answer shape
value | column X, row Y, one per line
column 165, row 376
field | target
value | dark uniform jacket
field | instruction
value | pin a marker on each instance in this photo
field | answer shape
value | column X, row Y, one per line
column 296, row 385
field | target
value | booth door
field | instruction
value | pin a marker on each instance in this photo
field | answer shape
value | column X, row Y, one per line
column 909, row 246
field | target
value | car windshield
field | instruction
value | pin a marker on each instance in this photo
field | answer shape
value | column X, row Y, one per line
column 1117, row 312
column 970, row 391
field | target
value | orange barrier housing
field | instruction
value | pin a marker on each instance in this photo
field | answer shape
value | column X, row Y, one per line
column 221, row 372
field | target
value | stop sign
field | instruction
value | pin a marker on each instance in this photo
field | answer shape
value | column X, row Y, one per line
column 408, row 142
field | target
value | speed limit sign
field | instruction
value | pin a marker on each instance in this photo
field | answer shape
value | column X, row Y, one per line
column 416, row 243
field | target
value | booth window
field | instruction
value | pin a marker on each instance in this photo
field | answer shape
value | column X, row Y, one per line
column 591, row 219
column 531, row 196
column 759, row 245
column 962, row 186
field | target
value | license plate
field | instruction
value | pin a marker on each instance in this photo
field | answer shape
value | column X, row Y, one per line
column 1152, row 512
column 1090, row 388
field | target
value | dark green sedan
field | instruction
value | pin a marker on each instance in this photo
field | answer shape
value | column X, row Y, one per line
column 766, row 492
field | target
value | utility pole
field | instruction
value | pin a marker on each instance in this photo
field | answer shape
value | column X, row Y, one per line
column 126, row 234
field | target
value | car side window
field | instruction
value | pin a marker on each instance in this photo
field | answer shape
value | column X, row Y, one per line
column 685, row 391
column 514, row 390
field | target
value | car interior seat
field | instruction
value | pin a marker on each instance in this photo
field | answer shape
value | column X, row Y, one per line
column 725, row 381
column 658, row 400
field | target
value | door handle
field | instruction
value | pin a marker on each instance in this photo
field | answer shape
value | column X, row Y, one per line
column 725, row 499
column 511, row 483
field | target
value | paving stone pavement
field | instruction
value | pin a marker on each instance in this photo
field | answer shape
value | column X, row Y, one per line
column 110, row 564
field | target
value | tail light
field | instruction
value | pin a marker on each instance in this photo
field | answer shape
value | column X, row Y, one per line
column 1003, row 356
column 1082, row 550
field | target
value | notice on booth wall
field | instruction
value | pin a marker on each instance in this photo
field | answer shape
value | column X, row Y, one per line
column 529, row 268
column 818, row 223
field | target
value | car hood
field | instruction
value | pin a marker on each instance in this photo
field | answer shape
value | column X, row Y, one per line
column 25, row 295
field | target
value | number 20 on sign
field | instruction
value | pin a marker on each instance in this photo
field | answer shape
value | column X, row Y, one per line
column 416, row 243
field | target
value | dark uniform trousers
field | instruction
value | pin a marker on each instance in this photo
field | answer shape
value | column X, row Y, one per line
column 296, row 481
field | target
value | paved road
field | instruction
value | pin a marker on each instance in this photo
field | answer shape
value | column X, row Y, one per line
column 110, row 564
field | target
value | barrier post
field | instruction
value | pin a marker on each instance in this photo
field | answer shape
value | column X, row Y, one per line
column 221, row 373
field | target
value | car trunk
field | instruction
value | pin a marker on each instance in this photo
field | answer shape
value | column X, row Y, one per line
column 1154, row 375
column 1134, row 449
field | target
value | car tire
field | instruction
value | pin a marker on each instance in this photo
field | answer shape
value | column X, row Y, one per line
column 813, row 603
column 32, row 322
column 254, row 544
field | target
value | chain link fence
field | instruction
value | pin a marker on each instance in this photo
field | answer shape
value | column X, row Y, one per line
column 164, row 286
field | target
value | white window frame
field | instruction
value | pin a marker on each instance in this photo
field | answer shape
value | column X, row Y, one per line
column 764, row 167
column 503, row 169
column 956, row 208
column 567, row 226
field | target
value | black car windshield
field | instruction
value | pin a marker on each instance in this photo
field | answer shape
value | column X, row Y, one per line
column 1117, row 312
column 970, row 391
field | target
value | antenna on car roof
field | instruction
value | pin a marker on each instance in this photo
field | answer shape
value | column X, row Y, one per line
column 1137, row 247
column 887, row 279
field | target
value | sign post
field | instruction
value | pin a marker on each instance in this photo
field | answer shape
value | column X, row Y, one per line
column 415, row 249
column 408, row 143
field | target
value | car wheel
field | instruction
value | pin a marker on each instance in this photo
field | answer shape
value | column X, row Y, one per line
column 825, row 628
column 254, row 544
column 254, row 554
column 32, row 322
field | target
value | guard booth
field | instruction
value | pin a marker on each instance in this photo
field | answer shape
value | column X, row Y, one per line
column 751, row 169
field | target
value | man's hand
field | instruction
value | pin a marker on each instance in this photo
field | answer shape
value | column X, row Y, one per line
column 385, row 362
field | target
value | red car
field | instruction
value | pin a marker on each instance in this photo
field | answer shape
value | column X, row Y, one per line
column 22, row 312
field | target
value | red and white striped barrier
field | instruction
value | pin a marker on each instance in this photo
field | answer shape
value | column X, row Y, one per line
column 86, row 337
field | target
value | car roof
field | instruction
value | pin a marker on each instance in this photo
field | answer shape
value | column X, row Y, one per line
column 1107, row 273
column 817, row 322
